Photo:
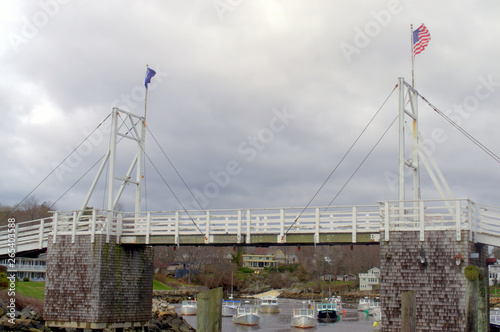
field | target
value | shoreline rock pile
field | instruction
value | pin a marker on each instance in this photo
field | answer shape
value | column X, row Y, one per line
column 163, row 318
column 27, row 319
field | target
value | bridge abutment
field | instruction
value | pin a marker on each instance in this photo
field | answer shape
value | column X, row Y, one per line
column 434, row 269
column 97, row 285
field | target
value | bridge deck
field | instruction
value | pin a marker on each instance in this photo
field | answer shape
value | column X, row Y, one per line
column 281, row 226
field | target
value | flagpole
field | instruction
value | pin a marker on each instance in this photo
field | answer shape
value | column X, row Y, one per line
column 140, row 161
column 146, row 97
column 412, row 59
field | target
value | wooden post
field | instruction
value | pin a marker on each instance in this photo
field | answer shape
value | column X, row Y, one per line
column 209, row 311
column 408, row 304
column 483, row 319
column 471, row 298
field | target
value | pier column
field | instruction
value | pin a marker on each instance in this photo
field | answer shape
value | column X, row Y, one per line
column 98, row 285
column 434, row 269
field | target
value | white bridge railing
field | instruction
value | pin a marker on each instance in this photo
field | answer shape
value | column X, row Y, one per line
column 481, row 220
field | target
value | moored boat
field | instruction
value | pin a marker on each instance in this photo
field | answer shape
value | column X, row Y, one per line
column 303, row 318
column 246, row 315
column 188, row 308
column 338, row 302
column 373, row 307
column 495, row 320
column 326, row 312
column 229, row 307
column 364, row 303
column 269, row 305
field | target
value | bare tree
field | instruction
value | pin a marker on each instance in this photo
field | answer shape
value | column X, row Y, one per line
column 29, row 209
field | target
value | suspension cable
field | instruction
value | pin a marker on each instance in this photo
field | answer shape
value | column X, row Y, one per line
column 52, row 172
column 460, row 129
column 175, row 169
column 342, row 159
column 363, row 161
column 172, row 191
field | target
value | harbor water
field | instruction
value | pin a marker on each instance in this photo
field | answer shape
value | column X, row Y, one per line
column 351, row 321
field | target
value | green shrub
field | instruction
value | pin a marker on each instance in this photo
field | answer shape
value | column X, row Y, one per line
column 245, row 270
column 4, row 282
column 26, row 279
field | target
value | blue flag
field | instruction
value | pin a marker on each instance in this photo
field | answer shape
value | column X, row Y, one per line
column 149, row 74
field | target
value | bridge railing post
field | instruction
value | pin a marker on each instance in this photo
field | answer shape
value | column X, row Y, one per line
column 92, row 225
column 176, row 230
column 109, row 220
column 54, row 230
column 207, row 228
column 249, row 219
column 238, row 235
column 73, row 231
column 16, row 237
column 282, row 226
column 354, row 223
column 421, row 214
column 119, row 227
column 148, row 227
column 458, row 220
column 316, row 229
column 42, row 229
column 473, row 220
column 386, row 220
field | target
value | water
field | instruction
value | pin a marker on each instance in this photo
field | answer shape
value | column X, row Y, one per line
column 351, row 321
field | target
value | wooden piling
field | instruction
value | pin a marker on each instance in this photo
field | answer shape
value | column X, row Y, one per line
column 483, row 317
column 408, row 304
column 209, row 311
column 476, row 305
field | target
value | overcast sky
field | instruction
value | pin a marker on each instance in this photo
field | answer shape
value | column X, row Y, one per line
column 254, row 102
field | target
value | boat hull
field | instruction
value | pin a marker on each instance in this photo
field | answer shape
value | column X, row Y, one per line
column 363, row 306
column 188, row 311
column 304, row 322
column 247, row 319
column 228, row 311
column 327, row 316
column 229, row 307
column 269, row 308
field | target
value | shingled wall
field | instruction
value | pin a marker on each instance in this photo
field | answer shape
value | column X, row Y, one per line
column 440, row 284
column 98, row 282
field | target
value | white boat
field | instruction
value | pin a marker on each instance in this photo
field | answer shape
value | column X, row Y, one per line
column 269, row 305
column 246, row 315
column 304, row 318
column 364, row 303
column 338, row 302
column 229, row 307
column 373, row 307
column 188, row 308
column 377, row 314
column 495, row 320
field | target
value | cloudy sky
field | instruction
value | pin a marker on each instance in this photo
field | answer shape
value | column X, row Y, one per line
column 255, row 102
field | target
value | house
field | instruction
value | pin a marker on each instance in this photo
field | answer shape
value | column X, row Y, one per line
column 180, row 269
column 494, row 274
column 261, row 260
column 33, row 268
column 368, row 281
column 339, row 277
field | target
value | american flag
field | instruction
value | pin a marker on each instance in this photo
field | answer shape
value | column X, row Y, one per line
column 421, row 38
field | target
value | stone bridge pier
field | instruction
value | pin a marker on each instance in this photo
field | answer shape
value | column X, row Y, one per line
column 96, row 284
column 434, row 269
